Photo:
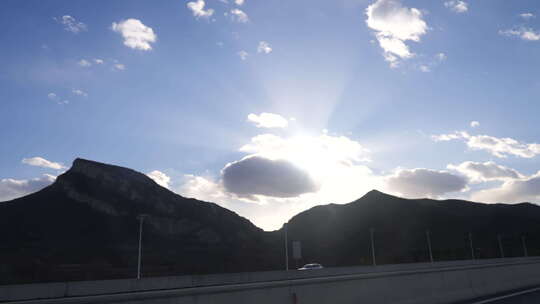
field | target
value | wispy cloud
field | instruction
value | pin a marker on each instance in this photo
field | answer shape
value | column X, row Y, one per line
column 268, row 120
column 523, row 33
column 84, row 63
column 457, row 6
column 264, row 47
column 527, row 16
column 42, row 162
column 54, row 97
column 496, row 146
column 79, row 92
column 119, row 66
column 239, row 16
column 71, row 24
column 243, row 54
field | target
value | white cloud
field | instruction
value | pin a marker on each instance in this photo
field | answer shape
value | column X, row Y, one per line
column 457, row 6
column 512, row 191
column 79, row 92
column 239, row 2
column 14, row 188
column 523, row 33
column 243, row 54
column 425, row 68
column 136, row 34
column 268, row 120
column 84, row 63
column 204, row 188
column 71, row 24
column 239, row 16
column 319, row 154
column 42, row 162
column 99, row 61
column 264, row 47
column 197, row 7
column 484, row 172
column 119, row 66
column 416, row 183
column 441, row 56
column 499, row 147
column 475, row 124
column 52, row 96
column 160, row 178
column 395, row 24
column 527, row 16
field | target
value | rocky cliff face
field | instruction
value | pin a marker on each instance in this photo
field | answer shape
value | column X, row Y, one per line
column 89, row 216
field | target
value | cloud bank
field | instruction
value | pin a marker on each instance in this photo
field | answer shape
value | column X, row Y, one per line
column 418, row 183
column 256, row 175
column 14, row 188
column 497, row 146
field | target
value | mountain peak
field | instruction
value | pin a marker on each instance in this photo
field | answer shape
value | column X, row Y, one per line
column 93, row 169
column 81, row 165
column 376, row 194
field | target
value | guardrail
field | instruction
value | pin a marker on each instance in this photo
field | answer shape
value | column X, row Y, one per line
column 441, row 282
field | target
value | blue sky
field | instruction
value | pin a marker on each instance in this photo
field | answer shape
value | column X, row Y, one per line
column 344, row 96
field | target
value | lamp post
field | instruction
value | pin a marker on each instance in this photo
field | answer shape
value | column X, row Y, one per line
column 525, row 252
column 428, row 236
column 286, row 248
column 471, row 244
column 371, row 232
column 141, row 218
column 500, row 245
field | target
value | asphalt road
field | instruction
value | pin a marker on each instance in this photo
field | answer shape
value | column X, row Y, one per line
column 524, row 297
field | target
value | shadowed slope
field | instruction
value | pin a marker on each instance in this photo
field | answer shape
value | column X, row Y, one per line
column 89, row 216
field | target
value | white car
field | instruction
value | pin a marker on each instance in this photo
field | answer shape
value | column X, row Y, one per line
column 311, row 266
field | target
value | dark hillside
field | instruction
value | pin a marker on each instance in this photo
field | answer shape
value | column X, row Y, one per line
column 85, row 226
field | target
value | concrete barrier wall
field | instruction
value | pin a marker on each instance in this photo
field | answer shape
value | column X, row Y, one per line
column 443, row 282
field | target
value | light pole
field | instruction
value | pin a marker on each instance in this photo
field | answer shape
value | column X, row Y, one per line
column 141, row 218
column 500, row 245
column 428, row 236
column 371, row 232
column 525, row 252
column 471, row 244
column 286, row 249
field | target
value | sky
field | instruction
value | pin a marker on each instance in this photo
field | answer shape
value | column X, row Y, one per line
column 271, row 107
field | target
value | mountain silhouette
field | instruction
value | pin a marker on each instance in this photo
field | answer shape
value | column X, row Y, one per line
column 88, row 217
column 84, row 227
column 340, row 234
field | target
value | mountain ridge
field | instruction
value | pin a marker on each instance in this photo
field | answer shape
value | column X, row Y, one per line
column 85, row 226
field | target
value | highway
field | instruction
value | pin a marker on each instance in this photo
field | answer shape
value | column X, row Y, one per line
column 442, row 282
